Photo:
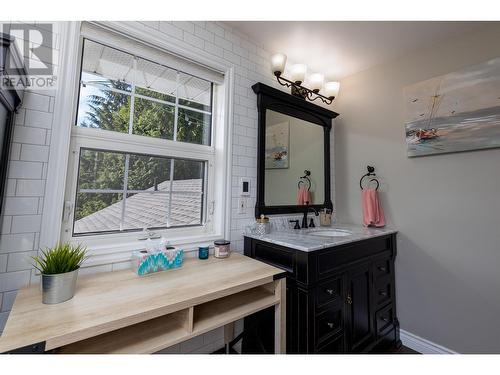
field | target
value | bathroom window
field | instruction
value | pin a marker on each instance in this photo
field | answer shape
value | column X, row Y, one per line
column 145, row 151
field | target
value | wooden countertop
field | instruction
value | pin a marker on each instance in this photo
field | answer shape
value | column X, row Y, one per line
column 113, row 300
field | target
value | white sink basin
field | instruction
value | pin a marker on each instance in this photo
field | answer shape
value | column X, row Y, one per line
column 332, row 233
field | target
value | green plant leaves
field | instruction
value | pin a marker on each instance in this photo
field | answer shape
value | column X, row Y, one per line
column 60, row 259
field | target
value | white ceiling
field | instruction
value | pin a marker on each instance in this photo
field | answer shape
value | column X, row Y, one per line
column 339, row 49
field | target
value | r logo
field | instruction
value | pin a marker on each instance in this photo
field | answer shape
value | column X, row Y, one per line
column 35, row 45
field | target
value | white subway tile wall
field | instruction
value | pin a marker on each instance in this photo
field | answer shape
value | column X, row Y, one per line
column 30, row 151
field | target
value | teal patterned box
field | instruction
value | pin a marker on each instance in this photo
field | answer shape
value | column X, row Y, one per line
column 144, row 262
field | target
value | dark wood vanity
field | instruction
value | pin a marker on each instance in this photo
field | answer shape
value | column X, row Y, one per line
column 339, row 300
column 340, row 294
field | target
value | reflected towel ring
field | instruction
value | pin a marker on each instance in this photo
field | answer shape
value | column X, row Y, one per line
column 307, row 173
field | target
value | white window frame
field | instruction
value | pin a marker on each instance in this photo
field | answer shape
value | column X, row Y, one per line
column 62, row 173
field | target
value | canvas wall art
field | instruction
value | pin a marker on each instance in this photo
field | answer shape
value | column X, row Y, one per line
column 278, row 145
column 456, row 112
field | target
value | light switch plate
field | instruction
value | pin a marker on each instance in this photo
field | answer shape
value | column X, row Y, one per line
column 242, row 205
column 244, row 187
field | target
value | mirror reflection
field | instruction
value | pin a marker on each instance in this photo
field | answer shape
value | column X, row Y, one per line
column 292, row 147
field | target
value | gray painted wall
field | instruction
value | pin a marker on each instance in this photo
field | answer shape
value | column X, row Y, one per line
column 446, row 207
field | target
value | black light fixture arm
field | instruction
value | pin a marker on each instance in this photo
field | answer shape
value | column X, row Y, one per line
column 301, row 91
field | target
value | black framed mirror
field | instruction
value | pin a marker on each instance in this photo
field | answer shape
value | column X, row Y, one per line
column 293, row 153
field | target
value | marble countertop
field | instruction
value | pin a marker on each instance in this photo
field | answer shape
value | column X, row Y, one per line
column 301, row 239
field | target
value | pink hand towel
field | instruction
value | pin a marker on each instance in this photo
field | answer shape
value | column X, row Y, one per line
column 373, row 214
column 300, row 196
column 307, row 197
column 303, row 196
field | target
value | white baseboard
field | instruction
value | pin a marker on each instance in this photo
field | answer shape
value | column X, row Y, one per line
column 422, row 345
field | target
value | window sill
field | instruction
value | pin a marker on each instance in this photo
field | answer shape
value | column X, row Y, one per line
column 109, row 254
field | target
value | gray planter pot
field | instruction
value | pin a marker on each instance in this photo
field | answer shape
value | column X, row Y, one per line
column 59, row 287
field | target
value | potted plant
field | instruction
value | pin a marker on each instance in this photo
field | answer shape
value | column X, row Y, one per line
column 59, row 268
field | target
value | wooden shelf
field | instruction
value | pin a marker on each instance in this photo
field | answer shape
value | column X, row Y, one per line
column 219, row 312
column 143, row 338
column 160, row 333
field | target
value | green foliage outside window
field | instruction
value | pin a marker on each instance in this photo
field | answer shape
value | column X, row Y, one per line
column 110, row 110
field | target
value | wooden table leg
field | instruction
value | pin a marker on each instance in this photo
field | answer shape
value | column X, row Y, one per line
column 280, row 317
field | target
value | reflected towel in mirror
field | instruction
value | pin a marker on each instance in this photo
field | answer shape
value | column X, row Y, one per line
column 303, row 196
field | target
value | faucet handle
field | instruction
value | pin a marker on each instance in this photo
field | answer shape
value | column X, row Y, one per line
column 297, row 226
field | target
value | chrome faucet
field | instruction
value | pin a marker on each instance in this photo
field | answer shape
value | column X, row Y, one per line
column 304, row 219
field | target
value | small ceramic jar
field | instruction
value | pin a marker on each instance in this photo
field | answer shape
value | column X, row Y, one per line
column 203, row 252
column 221, row 249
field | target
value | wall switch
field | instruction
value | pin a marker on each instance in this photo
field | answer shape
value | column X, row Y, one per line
column 242, row 205
column 244, row 187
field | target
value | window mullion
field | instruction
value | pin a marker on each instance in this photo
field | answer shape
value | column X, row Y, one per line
column 106, row 88
column 132, row 100
column 150, row 98
column 169, row 211
column 125, row 187
column 195, row 109
column 176, row 112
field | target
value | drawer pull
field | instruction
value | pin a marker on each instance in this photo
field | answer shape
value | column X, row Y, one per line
column 330, row 325
column 382, row 293
column 329, row 291
column 349, row 299
column 382, row 268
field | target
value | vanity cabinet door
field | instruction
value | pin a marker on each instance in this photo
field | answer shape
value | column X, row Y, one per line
column 360, row 330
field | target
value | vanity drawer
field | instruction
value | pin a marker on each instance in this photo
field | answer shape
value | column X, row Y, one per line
column 384, row 320
column 276, row 256
column 328, row 323
column 329, row 260
column 383, row 291
column 328, row 292
column 382, row 268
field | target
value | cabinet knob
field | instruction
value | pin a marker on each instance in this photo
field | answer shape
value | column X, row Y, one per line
column 385, row 319
column 329, row 291
column 382, row 268
column 330, row 325
column 382, row 293
column 349, row 299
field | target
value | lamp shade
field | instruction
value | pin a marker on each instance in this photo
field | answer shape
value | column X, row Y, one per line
column 298, row 73
column 278, row 62
column 331, row 89
column 316, row 81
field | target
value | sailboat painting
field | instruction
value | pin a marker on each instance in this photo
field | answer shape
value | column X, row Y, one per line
column 456, row 112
